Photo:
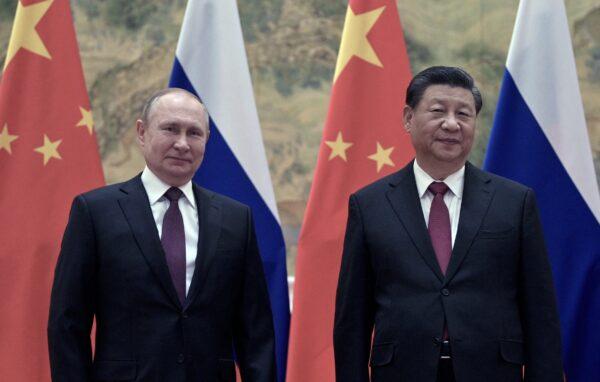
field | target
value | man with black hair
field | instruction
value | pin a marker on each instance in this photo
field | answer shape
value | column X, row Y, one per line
column 444, row 273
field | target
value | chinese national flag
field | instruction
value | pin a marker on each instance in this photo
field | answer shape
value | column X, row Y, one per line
column 48, row 154
column 363, row 140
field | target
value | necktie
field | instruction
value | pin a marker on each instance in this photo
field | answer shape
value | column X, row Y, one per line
column 439, row 230
column 173, row 241
column 439, row 225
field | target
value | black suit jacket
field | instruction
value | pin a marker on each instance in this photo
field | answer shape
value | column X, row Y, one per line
column 497, row 296
column 112, row 267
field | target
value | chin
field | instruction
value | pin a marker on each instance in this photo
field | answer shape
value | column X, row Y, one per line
column 178, row 182
column 179, row 170
column 450, row 158
column 181, row 176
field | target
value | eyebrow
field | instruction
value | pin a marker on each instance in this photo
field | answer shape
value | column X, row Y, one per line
column 442, row 100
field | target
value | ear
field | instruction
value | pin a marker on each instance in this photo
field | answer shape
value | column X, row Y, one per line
column 141, row 130
column 206, row 129
column 408, row 114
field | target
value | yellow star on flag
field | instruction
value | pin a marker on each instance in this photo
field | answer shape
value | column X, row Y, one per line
column 86, row 119
column 6, row 139
column 338, row 147
column 382, row 157
column 24, row 35
column 354, row 39
column 49, row 149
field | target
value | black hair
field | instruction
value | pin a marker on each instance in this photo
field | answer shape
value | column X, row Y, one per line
column 441, row 75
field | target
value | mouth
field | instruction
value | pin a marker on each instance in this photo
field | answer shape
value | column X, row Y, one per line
column 449, row 141
column 178, row 159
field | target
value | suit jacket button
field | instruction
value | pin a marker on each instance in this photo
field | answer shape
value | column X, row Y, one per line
column 445, row 292
column 180, row 358
column 184, row 315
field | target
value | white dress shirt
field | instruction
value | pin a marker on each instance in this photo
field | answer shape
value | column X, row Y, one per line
column 452, row 198
column 156, row 188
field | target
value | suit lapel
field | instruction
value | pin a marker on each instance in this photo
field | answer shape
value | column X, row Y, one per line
column 477, row 195
column 136, row 207
column 405, row 201
column 209, row 226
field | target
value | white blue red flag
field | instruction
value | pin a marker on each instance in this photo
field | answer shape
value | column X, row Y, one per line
column 539, row 138
column 211, row 63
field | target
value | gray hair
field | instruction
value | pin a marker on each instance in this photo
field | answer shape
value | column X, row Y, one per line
column 147, row 108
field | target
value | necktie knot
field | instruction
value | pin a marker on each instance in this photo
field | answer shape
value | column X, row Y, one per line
column 438, row 188
column 173, row 194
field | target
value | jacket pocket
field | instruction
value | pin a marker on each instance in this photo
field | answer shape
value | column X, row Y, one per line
column 114, row 370
column 226, row 370
column 512, row 351
column 382, row 354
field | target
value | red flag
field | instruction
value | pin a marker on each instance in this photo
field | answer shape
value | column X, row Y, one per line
column 363, row 140
column 48, row 154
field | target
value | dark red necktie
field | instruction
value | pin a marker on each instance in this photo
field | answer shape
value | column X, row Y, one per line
column 173, row 241
column 439, row 230
column 439, row 225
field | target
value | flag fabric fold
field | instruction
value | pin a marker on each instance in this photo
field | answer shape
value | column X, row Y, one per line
column 48, row 154
column 540, row 139
column 363, row 140
column 211, row 63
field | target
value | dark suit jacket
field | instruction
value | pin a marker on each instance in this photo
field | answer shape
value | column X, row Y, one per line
column 112, row 266
column 497, row 295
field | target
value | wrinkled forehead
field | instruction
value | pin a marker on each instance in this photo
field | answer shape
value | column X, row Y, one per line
column 177, row 106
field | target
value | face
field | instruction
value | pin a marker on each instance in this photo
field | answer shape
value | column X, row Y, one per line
column 174, row 138
column 442, row 126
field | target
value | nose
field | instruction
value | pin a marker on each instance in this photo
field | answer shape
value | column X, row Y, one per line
column 181, row 143
column 450, row 123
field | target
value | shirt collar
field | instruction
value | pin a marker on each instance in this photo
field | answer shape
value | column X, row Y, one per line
column 156, row 188
column 454, row 181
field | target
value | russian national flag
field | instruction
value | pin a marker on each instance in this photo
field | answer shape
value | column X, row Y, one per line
column 211, row 63
column 539, row 138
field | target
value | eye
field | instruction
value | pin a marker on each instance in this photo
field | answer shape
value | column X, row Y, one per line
column 196, row 133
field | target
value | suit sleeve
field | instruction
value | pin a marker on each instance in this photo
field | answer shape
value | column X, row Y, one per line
column 543, row 361
column 72, row 300
column 254, row 336
column 354, row 306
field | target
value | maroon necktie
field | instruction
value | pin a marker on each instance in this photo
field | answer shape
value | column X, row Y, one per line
column 439, row 230
column 439, row 225
column 173, row 241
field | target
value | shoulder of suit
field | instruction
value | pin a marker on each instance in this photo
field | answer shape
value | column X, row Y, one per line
column 106, row 192
column 380, row 185
column 406, row 174
column 221, row 199
column 497, row 181
column 118, row 190
column 385, row 183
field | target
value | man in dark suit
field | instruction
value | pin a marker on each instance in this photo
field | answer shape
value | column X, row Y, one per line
column 170, row 271
column 444, row 273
